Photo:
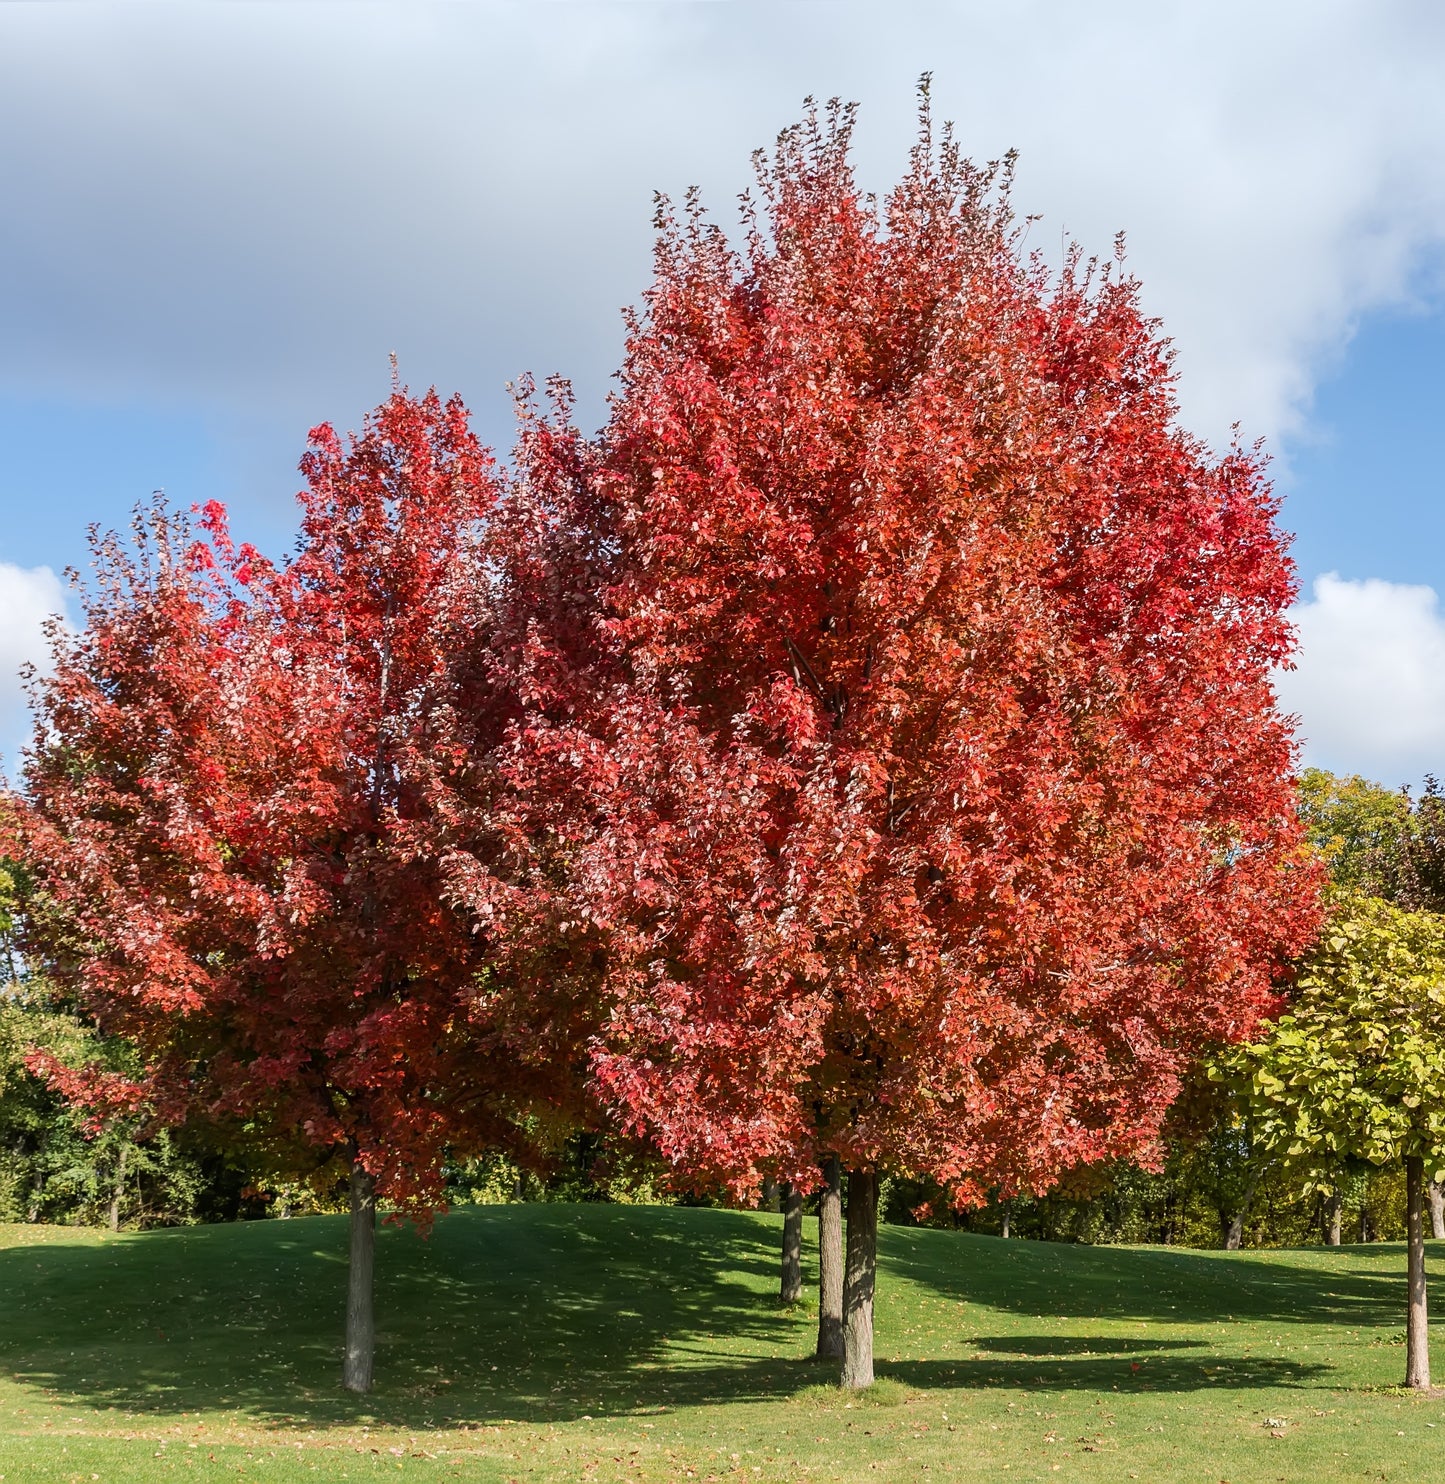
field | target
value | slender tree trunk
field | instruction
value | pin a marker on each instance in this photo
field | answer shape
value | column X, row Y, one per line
column 791, row 1288
column 1003, row 1230
column 1334, row 1219
column 859, row 1277
column 360, row 1288
column 1417, row 1335
column 1234, row 1234
column 112, row 1215
column 37, row 1190
column 830, row 1263
column 1437, row 1209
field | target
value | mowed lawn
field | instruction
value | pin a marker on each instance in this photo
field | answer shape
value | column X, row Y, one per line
column 611, row 1343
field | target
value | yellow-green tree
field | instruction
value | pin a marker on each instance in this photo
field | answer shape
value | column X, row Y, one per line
column 1356, row 1068
column 1353, row 824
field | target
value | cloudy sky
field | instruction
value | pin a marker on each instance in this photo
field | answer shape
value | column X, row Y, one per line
column 217, row 219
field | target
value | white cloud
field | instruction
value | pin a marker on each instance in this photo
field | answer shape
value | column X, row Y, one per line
column 246, row 207
column 28, row 596
column 1370, row 684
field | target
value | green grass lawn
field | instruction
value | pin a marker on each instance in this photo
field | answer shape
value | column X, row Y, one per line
column 608, row 1343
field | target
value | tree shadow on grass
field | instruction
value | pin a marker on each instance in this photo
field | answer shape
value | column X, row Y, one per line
column 1103, row 1363
column 1054, row 1347
column 1161, row 1372
column 1095, row 1369
column 549, row 1313
column 1152, row 1285
column 525, row 1313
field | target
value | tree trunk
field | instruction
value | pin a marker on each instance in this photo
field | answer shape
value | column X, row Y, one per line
column 830, row 1263
column 1417, row 1335
column 1437, row 1209
column 37, row 1190
column 1234, row 1234
column 360, row 1288
column 1003, row 1230
column 858, row 1278
column 791, row 1288
column 112, row 1216
column 1334, row 1219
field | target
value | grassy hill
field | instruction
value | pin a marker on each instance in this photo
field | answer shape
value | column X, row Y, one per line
column 603, row 1343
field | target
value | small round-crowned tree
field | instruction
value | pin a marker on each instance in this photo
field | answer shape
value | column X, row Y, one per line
column 1356, row 1069
column 266, row 820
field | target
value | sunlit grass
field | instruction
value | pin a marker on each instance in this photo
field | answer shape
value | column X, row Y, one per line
column 611, row 1343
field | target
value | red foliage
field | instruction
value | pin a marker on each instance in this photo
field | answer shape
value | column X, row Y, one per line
column 260, row 809
column 101, row 1094
column 937, row 810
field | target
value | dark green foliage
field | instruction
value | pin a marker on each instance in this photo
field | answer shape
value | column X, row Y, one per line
column 1188, row 1203
column 587, row 1167
column 57, row 1169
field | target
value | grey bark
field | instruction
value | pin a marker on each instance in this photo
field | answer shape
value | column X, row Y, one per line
column 1234, row 1232
column 859, row 1277
column 37, row 1190
column 360, row 1284
column 830, row 1263
column 790, row 1290
column 1417, row 1334
column 1334, row 1219
column 1437, row 1209
column 1003, row 1230
column 112, row 1215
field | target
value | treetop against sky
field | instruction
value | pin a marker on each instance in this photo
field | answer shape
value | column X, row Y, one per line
column 192, row 276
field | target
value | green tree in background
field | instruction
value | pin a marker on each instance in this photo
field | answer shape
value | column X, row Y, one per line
column 1385, row 844
column 1355, row 825
column 1216, row 1155
column 56, row 1165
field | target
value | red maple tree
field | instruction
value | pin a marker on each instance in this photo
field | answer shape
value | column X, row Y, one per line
column 938, row 810
column 265, row 815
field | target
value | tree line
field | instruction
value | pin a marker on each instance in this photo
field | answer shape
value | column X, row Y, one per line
column 855, row 766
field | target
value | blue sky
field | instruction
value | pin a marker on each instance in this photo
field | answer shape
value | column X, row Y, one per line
column 217, row 219
column 1365, row 480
